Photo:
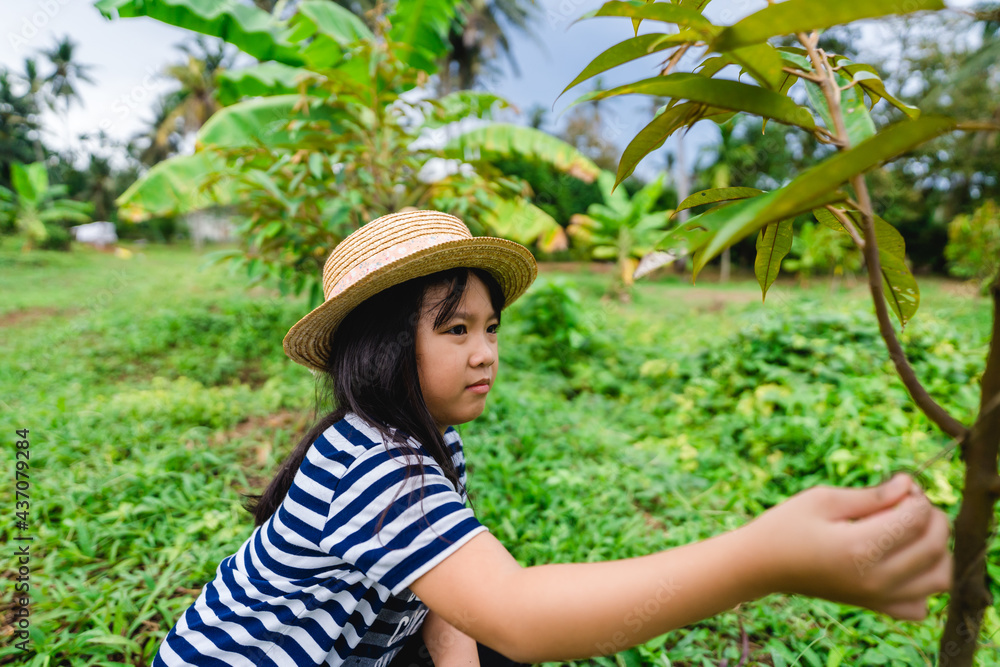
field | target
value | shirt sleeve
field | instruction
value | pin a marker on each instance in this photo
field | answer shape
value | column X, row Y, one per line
column 415, row 533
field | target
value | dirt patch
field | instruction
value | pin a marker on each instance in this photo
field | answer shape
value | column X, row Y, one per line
column 26, row 317
column 259, row 432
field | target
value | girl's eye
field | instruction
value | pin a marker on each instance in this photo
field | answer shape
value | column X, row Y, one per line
column 455, row 329
column 457, row 326
column 495, row 328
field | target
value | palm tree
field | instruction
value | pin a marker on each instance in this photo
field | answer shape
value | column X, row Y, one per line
column 65, row 80
column 477, row 40
column 185, row 110
column 18, row 126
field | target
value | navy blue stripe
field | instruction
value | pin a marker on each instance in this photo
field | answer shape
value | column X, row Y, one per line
column 221, row 640
column 427, row 553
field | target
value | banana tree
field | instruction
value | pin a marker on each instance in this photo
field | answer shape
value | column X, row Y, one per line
column 839, row 93
column 33, row 203
column 334, row 108
column 623, row 229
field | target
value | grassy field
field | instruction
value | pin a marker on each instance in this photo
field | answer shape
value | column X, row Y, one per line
column 155, row 394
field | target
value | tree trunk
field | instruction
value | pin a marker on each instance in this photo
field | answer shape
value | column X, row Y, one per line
column 724, row 268
column 973, row 527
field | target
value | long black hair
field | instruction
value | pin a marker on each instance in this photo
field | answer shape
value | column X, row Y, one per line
column 372, row 371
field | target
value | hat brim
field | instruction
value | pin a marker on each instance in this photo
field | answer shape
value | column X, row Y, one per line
column 307, row 342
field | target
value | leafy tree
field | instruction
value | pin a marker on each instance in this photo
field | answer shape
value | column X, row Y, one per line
column 337, row 107
column 623, row 229
column 973, row 249
column 839, row 92
column 67, row 75
column 36, row 208
column 183, row 111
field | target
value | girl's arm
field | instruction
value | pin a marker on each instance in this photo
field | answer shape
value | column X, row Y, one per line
column 884, row 548
column 448, row 647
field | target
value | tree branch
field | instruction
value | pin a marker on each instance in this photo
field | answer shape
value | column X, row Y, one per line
column 848, row 225
column 924, row 401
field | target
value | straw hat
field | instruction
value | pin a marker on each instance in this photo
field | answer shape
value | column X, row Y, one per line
column 391, row 250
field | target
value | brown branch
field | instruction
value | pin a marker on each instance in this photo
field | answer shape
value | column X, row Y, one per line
column 970, row 596
column 675, row 58
column 802, row 74
column 848, row 225
column 924, row 401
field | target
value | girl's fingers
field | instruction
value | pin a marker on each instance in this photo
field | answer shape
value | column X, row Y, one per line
column 927, row 567
column 860, row 503
column 889, row 531
column 907, row 610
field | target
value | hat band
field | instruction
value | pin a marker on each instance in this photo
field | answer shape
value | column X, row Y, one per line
column 391, row 254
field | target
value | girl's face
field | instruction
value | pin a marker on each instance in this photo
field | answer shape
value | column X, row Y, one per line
column 457, row 355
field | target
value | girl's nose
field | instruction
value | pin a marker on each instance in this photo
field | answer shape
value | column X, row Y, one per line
column 485, row 354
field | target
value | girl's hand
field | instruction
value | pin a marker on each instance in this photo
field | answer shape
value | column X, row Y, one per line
column 884, row 548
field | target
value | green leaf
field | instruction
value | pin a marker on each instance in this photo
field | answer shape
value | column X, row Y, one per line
column 261, row 80
column 715, row 195
column 657, row 131
column 332, row 20
column 501, row 140
column 773, row 243
column 265, row 121
column 463, row 104
column 720, row 93
column 246, row 27
column 827, row 219
column 655, row 11
column 762, row 62
column 898, row 284
column 177, row 186
column 630, row 49
column 818, row 185
column 874, row 86
column 420, row 28
column 794, row 16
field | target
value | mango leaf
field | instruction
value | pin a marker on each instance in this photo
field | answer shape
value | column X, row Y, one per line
column 818, row 186
column 261, row 80
column 720, row 93
column 246, row 27
column 857, row 121
column 762, row 62
column 712, row 66
column 829, row 220
column 898, row 284
column 655, row 11
column 501, row 140
column 794, row 16
column 176, row 186
column 715, row 195
column 264, row 121
column 421, row 28
column 656, row 132
column 623, row 52
column 692, row 234
column 773, row 243
column 874, row 86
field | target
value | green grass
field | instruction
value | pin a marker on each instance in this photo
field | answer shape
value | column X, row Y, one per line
column 156, row 394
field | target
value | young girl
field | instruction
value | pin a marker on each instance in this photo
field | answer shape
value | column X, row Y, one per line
column 365, row 553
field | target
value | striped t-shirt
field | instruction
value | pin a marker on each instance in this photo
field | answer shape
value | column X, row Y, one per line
column 317, row 584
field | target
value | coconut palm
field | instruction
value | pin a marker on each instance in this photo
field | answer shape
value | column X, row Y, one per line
column 68, row 74
column 185, row 110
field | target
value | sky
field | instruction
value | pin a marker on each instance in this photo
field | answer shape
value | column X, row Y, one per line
column 129, row 54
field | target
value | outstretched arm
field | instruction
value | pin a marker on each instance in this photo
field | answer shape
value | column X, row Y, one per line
column 883, row 548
